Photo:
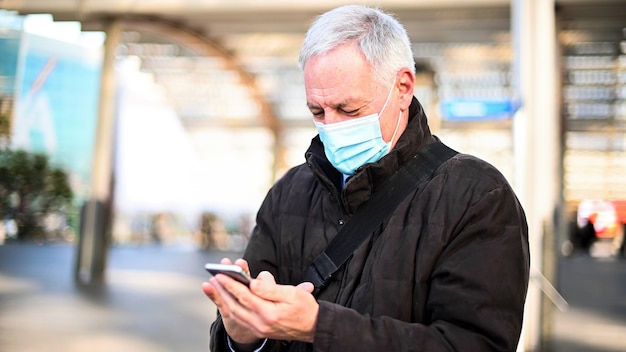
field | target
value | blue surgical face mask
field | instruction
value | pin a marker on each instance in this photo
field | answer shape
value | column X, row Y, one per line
column 353, row 143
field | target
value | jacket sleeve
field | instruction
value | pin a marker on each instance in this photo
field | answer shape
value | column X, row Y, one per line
column 475, row 296
column 217, row 341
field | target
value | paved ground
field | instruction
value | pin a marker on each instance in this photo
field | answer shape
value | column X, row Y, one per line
column 595, row 289
column 152, row 302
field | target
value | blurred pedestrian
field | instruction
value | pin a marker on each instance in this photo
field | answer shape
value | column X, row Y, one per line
column 447, row 270
column 588, row 232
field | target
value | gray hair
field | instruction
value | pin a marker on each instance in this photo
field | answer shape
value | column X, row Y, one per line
column 380, row 37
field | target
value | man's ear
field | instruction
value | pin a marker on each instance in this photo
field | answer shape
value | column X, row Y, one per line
column 406, row 85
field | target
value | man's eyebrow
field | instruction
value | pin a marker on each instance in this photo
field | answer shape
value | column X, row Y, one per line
column 313, row 106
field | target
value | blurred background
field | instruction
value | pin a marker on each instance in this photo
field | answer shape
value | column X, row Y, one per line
column 138, row 138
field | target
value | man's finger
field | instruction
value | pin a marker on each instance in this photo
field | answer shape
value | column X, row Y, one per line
column 211, row 290
column 266, row 288
column 236, row 304
column 307, row 286
column 243, row 264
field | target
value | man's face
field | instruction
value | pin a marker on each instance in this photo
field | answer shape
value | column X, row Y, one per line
column 339, row 87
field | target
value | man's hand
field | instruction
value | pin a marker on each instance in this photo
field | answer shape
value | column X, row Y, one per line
column 265, row 310
column 239, row 334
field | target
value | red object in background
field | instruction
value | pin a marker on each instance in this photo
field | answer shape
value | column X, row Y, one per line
column 607, row 216
column 620, row 209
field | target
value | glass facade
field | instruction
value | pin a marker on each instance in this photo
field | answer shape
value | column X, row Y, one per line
column 53, row 86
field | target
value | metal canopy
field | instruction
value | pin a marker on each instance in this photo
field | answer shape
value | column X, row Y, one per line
column 275, row 28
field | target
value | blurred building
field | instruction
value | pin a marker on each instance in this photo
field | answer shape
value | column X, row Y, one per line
column 208, row 97
column 50, row 78
column 210, row 107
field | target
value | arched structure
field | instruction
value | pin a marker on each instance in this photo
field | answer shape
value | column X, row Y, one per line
column 203, row 45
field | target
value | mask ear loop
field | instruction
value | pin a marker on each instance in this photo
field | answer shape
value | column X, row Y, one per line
column 396, row 130
column 388, row 97
column 399, row 117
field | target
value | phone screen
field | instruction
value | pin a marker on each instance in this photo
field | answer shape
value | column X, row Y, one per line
column 233, row 271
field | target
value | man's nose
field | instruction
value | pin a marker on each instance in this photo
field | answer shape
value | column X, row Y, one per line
column 332, row 116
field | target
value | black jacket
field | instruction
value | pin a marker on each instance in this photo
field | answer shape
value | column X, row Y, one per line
column 447, row 272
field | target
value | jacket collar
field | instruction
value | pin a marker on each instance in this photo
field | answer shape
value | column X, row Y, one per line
column 370, row 177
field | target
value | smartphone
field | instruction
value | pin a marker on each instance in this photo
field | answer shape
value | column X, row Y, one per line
column 234, row 271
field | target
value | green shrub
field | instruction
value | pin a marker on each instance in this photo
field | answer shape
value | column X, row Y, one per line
column 30, row 189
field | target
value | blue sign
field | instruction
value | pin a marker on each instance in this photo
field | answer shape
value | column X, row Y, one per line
column 477, row 109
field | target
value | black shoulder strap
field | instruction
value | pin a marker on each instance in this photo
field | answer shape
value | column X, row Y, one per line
column 373, row 212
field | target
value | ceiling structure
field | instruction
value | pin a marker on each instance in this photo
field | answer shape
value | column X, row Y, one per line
column 275, row 28
column 258, row 42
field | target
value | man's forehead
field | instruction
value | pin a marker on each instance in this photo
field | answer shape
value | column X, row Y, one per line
column 341, row 99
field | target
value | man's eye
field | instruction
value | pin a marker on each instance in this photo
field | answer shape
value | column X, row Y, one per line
column 351, row 112
column 318, row 114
